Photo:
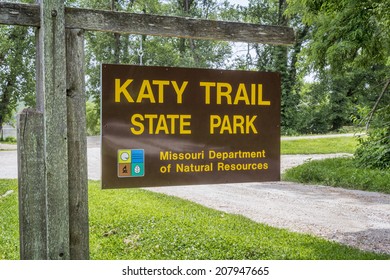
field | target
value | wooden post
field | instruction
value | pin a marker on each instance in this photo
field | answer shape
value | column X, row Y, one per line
column 77, row 146
column 31, row 177
column 52, row 99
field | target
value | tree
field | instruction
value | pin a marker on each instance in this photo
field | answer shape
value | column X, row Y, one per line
column 280, row 58
column 17, row 70
column 350, row 40
column 154, row 50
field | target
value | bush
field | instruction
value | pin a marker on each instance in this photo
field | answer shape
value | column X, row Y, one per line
column 93, row 119
column 373, row 151
column 340, row 172
column 9, row 139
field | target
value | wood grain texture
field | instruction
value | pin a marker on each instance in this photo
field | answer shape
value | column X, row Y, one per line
column 52, row 77
column 77, row 145
column 156, row 25
column 31, row 183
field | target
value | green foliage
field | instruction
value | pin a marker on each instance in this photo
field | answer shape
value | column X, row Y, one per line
column 346, row 44
column 374, row 150
column 346, row 32
column 314, row 110
column 93, row 118
column 138, row 224
column 9, row 140
column 327, row 104
column 348, row 49
column 152, row 50
column 319, row 146
column 280, row 59
column 17, row 69
column 340, row 172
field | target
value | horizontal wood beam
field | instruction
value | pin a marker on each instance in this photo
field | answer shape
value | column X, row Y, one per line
column 167, row 26
column 19, row 14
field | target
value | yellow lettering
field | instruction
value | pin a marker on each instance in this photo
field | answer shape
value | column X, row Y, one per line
column 249, row 125
column 207, row 86
column 215, row 121
column 145, row 92
column 179, row 91
column 253, row 94
column 225, row 93
column 151, row 117
column 173, row 119
column 224, row 89
column 156, row 124
column 238, row 124
column 242, row 95
column 137, row 124
column 235, row 124
column 119, row 89
column 160, row 84
column 185, row 122
column 226, row 125
column 162, row 125
column 260, row 99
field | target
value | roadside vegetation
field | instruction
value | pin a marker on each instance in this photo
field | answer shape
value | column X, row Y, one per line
column 340, row 172
column 346, row 172
column 8, row 140
column 138, row 224
column 319, row 146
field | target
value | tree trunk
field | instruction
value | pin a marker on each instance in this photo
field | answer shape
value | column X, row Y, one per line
column 5, row 104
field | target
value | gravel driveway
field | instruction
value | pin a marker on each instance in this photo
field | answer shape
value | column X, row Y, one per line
column 356, row 218
column 360, row 219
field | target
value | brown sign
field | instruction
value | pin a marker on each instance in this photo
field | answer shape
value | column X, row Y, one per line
column 166, row 126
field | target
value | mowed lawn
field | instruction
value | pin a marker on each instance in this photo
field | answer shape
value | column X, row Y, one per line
column 331, row 145
column 138, row 224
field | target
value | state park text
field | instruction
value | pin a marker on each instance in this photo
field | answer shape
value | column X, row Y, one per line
column 213, row 93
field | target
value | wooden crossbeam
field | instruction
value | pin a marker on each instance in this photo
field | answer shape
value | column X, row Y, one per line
column 156, row 25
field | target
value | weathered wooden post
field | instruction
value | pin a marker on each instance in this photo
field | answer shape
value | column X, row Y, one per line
column 32, row 201
column 53, row 180
column 77, row 145
column 42, row 147
column 51, row 99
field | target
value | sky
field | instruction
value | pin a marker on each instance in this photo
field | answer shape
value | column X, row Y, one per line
column 240, row 2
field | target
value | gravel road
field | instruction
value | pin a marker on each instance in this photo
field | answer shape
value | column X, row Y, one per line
column 356, row 218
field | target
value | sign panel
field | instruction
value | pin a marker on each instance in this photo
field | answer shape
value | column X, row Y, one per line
column 165, row 126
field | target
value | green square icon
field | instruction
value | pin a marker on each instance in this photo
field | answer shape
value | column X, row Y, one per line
column 137, row 170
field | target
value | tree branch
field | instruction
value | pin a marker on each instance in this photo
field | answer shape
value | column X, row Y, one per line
column 370, row 115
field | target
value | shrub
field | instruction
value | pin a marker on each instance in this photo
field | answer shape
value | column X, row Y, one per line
column 373, row 151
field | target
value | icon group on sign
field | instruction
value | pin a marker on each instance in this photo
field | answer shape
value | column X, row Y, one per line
column 131, row 163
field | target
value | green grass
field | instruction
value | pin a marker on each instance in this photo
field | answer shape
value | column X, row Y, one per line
column 319, row 146
column 9, row 225
column 340, row 172
column 138, row 224
column 8, row 140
